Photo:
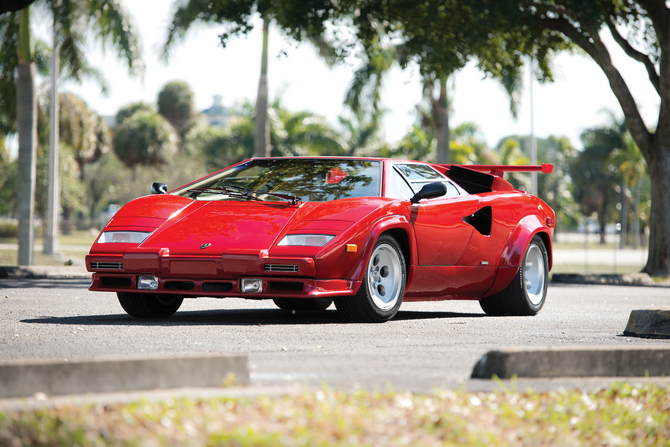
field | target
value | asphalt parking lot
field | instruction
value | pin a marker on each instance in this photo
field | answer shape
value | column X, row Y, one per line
column 433, row 344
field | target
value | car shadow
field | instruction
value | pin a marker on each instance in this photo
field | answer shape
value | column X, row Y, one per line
column 235, row 317
column 45, row 283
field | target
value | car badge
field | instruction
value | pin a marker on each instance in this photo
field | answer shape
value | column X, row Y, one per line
column 205, row 245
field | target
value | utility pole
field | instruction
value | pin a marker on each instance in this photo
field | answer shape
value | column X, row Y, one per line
column 51, row 243
column 533, row 146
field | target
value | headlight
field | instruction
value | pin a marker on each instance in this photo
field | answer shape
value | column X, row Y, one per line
column 124, row 237
column 312, row 240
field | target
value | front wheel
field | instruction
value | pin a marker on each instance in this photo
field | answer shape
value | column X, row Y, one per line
column 380, row 296
column 149, row 305
column 527, row 292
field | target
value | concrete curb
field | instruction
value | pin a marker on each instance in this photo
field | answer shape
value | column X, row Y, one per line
column 44, row 271
column 113, row 374
column 630, row 279
column 653, row 323
column 574, row 362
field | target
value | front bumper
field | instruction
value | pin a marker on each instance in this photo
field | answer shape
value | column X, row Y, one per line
column 214, row 276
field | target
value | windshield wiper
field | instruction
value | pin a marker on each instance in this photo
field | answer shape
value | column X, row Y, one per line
column 246, row 193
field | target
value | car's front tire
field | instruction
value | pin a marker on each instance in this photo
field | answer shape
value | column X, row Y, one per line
column 526, row 294
column 303, row 303
column 149, row 305
column 380, row 296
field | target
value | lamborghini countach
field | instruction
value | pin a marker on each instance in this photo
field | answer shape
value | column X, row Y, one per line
column 363, row 233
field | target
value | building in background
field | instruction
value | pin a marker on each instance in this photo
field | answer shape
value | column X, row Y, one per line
column 218, row 115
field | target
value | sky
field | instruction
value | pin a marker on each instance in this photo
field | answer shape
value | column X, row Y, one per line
column 573, row 103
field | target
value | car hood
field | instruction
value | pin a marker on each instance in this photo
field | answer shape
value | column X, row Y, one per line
column 224, row 227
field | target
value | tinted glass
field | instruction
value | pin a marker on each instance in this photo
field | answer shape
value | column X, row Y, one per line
column 399, row 187
column 314, row 180
column 419, row 172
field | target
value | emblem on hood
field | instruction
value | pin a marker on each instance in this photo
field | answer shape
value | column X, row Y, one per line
column 205, row 245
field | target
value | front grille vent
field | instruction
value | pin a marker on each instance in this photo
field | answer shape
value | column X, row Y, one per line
column 106, row 266
column 116, row 282
column 280, row 268
column 286, row 286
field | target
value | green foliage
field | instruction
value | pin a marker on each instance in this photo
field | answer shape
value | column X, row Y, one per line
column 609, row 155
column 417, row 144
column 469, row 134
column 8, row 170
column 145, row 138
column 175, row 102
column 109, row 181
column 129, row 110
column 620, row 414
column 291, row 133
column 80, row 128
column 360, row 133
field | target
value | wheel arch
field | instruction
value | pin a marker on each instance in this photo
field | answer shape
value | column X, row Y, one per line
column 512, row 254
column 528, row 227
column 397, row 226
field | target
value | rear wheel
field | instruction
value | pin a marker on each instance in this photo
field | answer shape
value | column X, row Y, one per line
column 303, row 303
column 380, row 296
column 149, row 305
column 526, row 294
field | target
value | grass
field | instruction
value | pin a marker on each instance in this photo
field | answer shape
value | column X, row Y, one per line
column 595, row 269
column 76, row 238
column 618, row 415
column 11, row 257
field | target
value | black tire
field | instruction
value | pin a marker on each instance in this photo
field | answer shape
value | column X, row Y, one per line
column 149, row 305
column 374, row 303
column 526, row 294
column 303, row 303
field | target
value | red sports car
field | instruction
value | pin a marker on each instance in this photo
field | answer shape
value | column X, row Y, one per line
column 365, row 233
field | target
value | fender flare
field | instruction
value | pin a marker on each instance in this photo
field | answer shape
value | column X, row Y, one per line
column 387, row 223
column 521, row 236
column 512, row 254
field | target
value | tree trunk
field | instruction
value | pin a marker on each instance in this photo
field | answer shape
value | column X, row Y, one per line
column 658, row 262
column 261, row 125
column 26, row 111
column 602, row 218
column 623, row 236
column 51, row 242
column 441, row 117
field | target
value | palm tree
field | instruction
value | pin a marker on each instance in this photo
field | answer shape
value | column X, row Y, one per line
column 602, row 166
column 72, row 21
column 365, row 91
column 237, row 15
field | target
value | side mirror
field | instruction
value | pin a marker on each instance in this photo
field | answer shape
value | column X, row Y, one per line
column 435, row 189
column 158, row 188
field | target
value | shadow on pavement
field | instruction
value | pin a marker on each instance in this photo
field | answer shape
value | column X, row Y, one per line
column 235, row 317
column 45, row 283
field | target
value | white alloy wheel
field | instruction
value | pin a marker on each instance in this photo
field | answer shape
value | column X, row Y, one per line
column 384, row 276
column 534, row 274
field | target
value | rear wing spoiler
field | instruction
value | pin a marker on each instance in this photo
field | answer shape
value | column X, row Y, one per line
column 477, row 179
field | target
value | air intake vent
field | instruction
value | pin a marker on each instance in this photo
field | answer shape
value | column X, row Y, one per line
column 280, row 268
column 116, row 282
column 473, row 182
column 106, row 266
column 286, row 286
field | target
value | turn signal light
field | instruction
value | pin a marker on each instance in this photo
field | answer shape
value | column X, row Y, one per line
column 351, row 248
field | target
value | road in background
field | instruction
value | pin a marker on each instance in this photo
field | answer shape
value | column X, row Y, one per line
column 428, row 344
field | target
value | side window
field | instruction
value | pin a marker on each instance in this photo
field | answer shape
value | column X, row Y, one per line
column 399, row 187
column 419, row 175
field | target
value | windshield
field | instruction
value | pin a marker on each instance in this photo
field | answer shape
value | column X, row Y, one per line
column 311, row 180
